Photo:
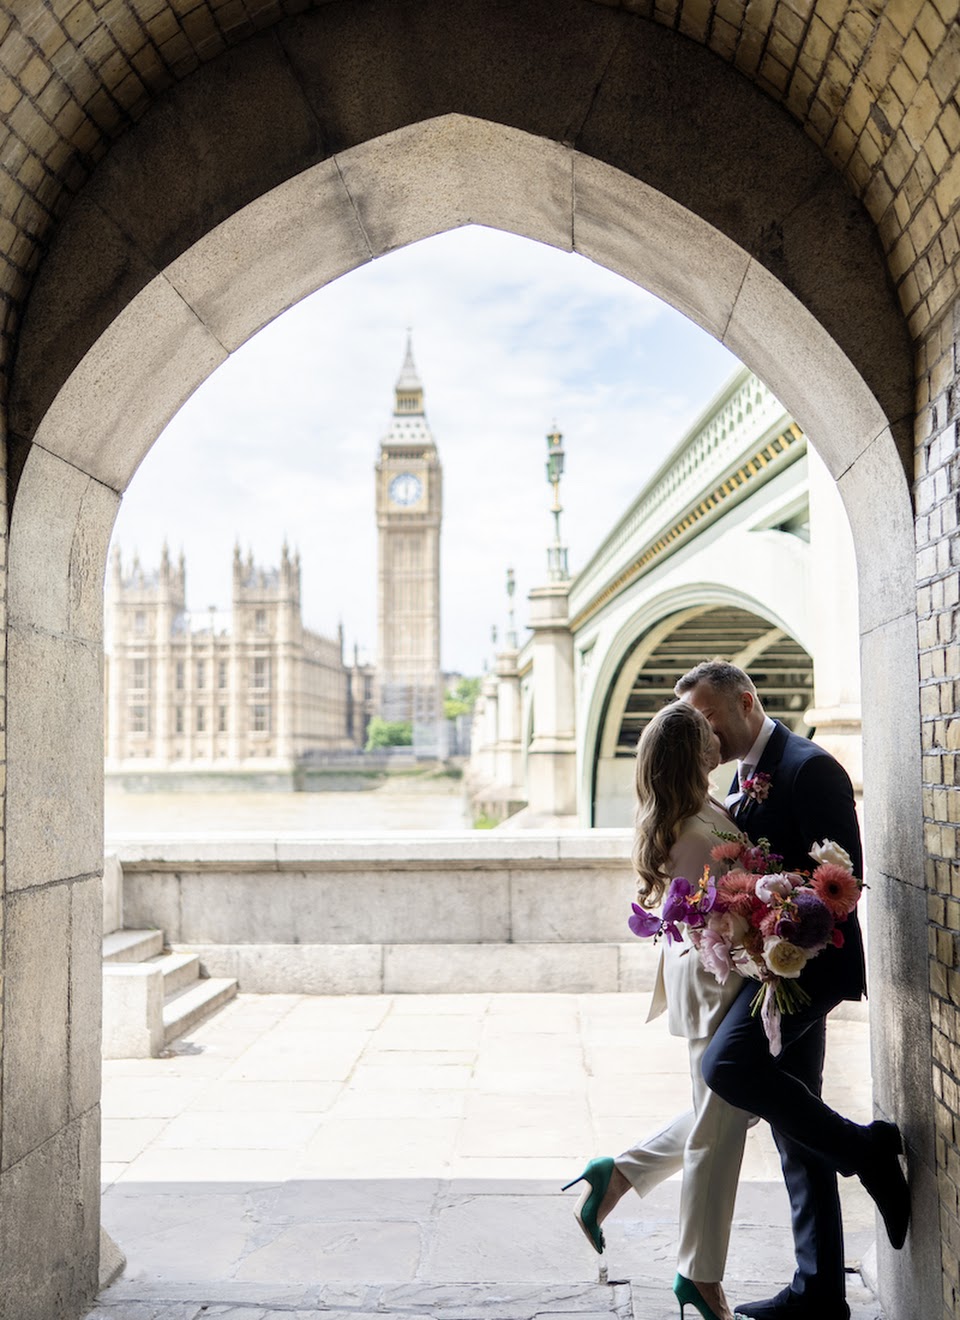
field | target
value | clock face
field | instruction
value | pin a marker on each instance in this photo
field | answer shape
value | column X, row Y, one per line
column 406, row 489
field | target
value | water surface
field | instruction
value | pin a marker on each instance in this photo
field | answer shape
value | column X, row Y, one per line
column 388, row 807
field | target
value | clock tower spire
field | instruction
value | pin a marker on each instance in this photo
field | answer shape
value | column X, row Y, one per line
column 409, row 390
column 409, row 509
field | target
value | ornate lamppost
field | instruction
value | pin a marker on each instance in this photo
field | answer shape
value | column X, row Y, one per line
column 557, row 553
column 511, row 628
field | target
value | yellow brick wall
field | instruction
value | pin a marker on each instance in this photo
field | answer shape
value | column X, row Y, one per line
column 938, row 608
column 876, row 91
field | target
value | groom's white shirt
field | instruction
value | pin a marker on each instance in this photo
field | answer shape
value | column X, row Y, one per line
column 752, row 759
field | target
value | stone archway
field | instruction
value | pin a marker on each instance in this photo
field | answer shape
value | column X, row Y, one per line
column 225, row 205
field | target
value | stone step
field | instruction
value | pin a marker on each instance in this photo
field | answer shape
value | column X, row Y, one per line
column 180, row 970
column 186, row 1008
column 132, row 945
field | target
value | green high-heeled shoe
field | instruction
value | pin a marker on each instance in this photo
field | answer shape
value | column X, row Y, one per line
column 597, row 1175
column 686, row 1291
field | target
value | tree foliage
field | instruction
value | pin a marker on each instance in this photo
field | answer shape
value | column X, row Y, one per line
column 461, row 699
column 388, row 733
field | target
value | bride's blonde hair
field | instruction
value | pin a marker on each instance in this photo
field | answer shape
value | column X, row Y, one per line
column 672, row 769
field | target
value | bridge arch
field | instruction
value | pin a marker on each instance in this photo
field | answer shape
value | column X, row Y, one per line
column 287, row 162
column 747, row 628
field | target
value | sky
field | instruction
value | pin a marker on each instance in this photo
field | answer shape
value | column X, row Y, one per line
column 509, row 336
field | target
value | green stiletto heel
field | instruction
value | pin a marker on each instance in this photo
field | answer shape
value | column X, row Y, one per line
column 686, row 1291
column 597, row 1175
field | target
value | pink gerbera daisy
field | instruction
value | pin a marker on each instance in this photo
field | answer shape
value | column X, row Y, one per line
column 737, row 893
column 728, row 851
column 836, row 888
column 737, row 882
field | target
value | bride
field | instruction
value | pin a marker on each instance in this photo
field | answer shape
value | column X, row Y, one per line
column 676, row 820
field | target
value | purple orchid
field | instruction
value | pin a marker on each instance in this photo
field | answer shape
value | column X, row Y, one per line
column 644, row 923
column 708, row 899
column 677, row 906
column 677, row 909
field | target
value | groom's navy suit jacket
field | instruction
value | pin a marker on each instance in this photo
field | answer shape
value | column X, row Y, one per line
column 810, row 800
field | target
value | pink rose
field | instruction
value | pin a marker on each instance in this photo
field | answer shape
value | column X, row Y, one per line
column 729, row 926
column 715, row 954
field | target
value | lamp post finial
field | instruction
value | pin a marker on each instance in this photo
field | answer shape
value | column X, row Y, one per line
column 557, row 553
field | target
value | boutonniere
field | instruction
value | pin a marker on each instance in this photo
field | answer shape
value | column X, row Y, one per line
column 756, row 787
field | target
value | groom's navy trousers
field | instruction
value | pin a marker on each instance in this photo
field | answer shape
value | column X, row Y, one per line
column 810, row 799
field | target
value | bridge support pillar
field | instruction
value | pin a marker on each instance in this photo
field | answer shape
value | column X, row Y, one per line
column 487, row 746
column 835, row 714
column 551, row 760
column 509, row 773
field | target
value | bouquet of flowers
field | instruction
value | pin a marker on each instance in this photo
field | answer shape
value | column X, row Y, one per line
column 758, row 920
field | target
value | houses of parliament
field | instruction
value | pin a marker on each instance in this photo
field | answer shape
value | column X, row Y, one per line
column 254, row 690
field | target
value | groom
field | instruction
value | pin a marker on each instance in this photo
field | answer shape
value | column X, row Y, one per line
column 793, row 793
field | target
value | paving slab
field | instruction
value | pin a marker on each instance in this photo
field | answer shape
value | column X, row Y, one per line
column 398, row 1156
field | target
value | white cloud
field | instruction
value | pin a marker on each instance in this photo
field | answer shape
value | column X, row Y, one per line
column 508, row 336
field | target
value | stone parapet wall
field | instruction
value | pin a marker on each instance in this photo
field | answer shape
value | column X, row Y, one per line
column 466, row 913
column 470, row 888
column 440, row 914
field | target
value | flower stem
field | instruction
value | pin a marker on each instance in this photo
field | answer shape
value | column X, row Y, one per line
column 788, row 996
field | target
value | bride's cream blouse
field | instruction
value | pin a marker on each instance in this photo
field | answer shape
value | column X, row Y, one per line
column 694, row 1001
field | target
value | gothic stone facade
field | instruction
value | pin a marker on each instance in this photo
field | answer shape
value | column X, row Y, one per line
column 255, row 691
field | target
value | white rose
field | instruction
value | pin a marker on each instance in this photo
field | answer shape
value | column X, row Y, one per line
column 746, row 966
column 768, row 885
column 784, row 958
column 828, row 851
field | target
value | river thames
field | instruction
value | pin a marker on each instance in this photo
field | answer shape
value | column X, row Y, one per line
column 391, row 806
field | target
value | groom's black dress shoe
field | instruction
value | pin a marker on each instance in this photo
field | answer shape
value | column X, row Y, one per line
column 882, row 1176
column 788, row 1305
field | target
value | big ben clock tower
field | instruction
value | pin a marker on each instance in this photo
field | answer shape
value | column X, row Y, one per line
column 409, row 508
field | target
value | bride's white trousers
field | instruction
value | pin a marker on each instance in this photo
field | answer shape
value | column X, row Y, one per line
column 707, row 1143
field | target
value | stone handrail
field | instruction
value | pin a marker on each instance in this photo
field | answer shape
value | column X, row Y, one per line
column 463, row 850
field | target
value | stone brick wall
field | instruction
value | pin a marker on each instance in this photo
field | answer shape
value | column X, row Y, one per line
column 877, row 91
column 73, row 77
column 938, row 608
column 3, row 737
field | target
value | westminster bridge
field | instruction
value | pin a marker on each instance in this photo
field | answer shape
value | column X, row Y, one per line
column 738, row 547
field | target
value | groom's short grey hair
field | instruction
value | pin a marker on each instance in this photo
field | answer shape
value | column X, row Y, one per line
column 721, row 675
